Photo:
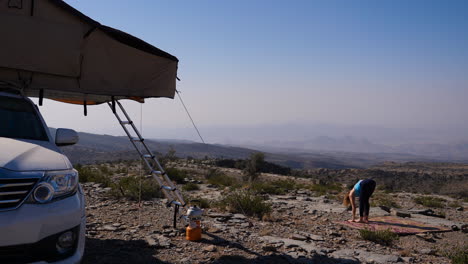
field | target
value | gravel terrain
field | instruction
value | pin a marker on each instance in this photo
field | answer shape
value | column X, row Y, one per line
column 299, row 230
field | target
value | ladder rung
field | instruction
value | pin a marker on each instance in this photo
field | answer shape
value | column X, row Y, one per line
column 126, row 122
column 135, row 139
column 176, row 203
column 169, row 188
column 157, row 172
column 148, row 156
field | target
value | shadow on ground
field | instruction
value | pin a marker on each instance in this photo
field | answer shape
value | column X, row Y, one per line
column 102, row 251
column 281, row 259
column 212, row 239
column 278, row 258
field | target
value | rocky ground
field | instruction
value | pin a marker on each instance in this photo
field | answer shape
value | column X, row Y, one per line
column 442, row 178
column 300, row 229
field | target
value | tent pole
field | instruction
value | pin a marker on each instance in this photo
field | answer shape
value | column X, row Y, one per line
column 85, row 108
column 113, row 105
column 41, row 96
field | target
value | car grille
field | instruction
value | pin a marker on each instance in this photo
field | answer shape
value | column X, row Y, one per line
column 14, row 191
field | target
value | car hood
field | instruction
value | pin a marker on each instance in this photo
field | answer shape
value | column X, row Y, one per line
column 31, row 155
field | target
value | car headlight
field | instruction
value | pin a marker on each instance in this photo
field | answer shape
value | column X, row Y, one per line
column 56, row 184
column 43, row 192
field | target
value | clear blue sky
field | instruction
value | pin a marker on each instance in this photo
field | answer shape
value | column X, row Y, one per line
column 385, row 63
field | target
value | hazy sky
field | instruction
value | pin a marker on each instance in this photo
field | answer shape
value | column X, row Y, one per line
column 397, row 64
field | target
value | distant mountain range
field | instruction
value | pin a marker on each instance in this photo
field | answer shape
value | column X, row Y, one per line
column 447, row 152
column 448, row 143
column 93, row 148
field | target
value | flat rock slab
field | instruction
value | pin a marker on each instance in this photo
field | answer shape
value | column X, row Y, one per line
column 399, row 213
column 290, row 243
column 436, row 220
column 403, row 226
column 364, row 256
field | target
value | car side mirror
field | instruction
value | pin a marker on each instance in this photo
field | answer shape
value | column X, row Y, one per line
column 66, row 137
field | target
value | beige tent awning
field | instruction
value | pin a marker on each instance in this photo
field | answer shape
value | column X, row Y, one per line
column 49, row 48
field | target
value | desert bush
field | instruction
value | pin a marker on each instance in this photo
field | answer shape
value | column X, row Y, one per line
column 226, row 163
column 201, row 202
column 171, row 154
column 231, row 163
column 385, row 237
column 87, row 174
column 269, row 167
column 253, row 166
column 204, row 203
column 104, row 169
column 266, row 188
column 386, row 188
column 265, row 166
column 430, row 201
column 455, row 204
column 245, row 202
column 122, row 170
column 273, row 187
column 459, row 255
column 383, row 199
column 215, row 177
column 285, row 184
column 198, row 201
column 130, row 187
column 322, row 189
column 177, row 175
column 300, row 173
column 190, row 187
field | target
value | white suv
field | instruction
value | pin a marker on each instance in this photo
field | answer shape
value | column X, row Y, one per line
column 42, row 206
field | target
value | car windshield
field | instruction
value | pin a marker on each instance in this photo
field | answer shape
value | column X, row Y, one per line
column 19, row 120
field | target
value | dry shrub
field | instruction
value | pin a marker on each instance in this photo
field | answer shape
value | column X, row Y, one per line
column 458, row 255
column 216, row 177
column 383, row 199
column 273, row 187
column 245, row 202
column 322, row 189
column 385, row 237
column 190, row 187
column 135, row 187
column 430, row 201
column 90, row 174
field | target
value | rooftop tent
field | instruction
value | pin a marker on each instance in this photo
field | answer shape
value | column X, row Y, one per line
column 48, row 48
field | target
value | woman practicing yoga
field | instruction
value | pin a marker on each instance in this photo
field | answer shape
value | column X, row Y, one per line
column 363, row 189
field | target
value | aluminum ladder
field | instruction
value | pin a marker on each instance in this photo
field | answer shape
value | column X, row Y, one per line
column 168, row 188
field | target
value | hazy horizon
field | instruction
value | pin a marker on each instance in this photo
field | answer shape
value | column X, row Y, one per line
column 386, row 71
column 261, row 134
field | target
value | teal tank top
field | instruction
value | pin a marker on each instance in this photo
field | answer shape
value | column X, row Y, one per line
column 357, row 188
